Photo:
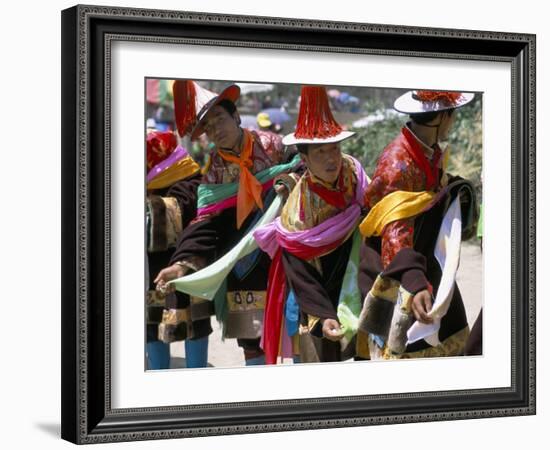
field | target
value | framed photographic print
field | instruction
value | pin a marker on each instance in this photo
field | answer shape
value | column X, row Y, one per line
column 146, row 356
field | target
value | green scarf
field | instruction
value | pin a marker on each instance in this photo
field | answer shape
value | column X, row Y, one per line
column 349, row 302
column 213, row 193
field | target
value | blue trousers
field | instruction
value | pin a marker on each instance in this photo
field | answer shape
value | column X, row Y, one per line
column 257, row 361
column 196, row 352
column 158, row 355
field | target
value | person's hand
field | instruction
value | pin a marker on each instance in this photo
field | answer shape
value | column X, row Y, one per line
column 421, row 306
column 331, row 330
column 167, row 274
column 282, row 190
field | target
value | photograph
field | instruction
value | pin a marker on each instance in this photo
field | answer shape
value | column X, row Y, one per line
column 291, row 224
column 275, row 225
column 281, row 224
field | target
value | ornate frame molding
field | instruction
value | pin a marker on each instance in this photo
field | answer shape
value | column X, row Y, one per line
column 87, row 416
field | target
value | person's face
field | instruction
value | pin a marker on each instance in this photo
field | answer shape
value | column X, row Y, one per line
column 324, row 161
column 222, row 128
column 447, row 122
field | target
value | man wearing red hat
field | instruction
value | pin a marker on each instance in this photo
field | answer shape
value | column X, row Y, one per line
column 313, row 293
column 418, row 216
column 233, row 195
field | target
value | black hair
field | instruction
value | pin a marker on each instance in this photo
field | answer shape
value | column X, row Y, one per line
column 228, row 105
column 302, row 148
column 426, row 117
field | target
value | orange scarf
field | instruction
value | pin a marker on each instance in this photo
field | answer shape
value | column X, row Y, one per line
column 250, row 189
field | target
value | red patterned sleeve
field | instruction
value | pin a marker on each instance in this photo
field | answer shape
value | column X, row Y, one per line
column 272, row 144
column 396, row 236
column 393, row 173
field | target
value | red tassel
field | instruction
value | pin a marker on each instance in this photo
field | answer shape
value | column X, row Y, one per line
column 451, row 98
column 315, row 119
column 184, row 105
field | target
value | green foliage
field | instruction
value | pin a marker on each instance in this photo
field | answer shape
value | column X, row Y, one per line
column 466, row 144
column 465, row 141
column 368, row 143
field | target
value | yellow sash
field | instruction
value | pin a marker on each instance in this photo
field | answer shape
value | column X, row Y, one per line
column 395, row 206
column 180, row 170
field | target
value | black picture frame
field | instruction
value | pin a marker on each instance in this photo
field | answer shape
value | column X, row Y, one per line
column 87, row 415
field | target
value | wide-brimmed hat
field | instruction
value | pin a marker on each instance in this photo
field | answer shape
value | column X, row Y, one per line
column 230, row 93
column 415, row 102
column 189, row 98
column 316, row 124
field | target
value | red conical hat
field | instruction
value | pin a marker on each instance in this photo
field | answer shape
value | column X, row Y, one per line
column 189, row 98
column 316, row 124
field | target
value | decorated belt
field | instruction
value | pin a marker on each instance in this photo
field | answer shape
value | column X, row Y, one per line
column 245, row 300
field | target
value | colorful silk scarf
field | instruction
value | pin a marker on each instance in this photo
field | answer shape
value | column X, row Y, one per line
column 213, row 198
column 207, row 281
column 306, row 244
column 401, row 205
column 395, row 206
column 178, row 166
column 250, row 189
column 447, row 254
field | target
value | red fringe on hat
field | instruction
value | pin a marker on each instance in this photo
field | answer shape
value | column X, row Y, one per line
column 451, row 98
column 184, row 105
column 315, row 119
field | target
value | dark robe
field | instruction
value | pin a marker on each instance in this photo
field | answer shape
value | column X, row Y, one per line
column 211, row 238
column 397, row 170
column 318, row 294
column 185, row 192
